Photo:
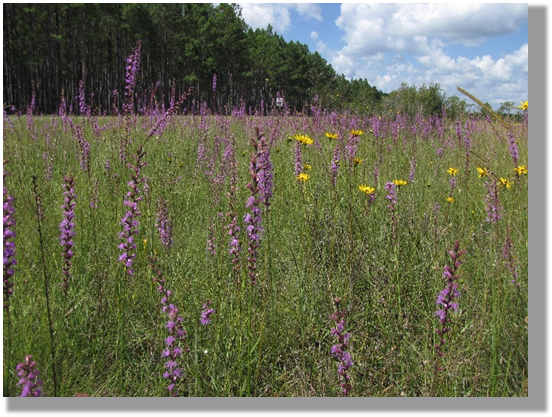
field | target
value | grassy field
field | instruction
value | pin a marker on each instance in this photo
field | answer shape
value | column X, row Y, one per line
column 319, row 287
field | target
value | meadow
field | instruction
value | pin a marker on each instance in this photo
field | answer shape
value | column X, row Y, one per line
column 265, row 255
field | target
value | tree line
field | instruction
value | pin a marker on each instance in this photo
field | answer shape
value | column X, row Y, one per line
column 52, row 49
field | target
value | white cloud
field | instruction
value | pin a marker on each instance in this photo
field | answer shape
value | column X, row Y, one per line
column 372, row 28
column 309, row 10
column 314, row 35
column 393, row 43
column 260, row 15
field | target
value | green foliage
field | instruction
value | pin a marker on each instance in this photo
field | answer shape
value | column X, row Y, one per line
column 425, row 100
column 320, row 241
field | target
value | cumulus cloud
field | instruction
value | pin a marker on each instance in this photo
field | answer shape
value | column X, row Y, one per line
column 372, row 28
column 309, row 10
column 379, row 38
column 260, row 15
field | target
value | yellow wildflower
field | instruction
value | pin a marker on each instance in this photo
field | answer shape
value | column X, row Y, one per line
column 356, row 132
column 304, row 139
column 307, row 166
column 303, row 177
column 367, row 190
column 357, row 161
column 452, row 171
column 450, row 199
column 400, row 183
column 520, row 170
column 482, row 172
column 331, row 135
column 524, row 105
column 145, row 242
column 505, row 183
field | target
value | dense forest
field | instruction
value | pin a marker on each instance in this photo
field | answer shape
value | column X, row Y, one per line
column 70, row 53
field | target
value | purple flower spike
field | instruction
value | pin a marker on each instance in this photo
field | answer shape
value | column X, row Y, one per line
column 493, row 208
column 339, row 350
column 67, row 229
column 164, row 225
column 130, row 221
column 261, row 192
column 205, row 318
column 175, row 342
column 447, row 299
column 31, row 385
column 9, row 244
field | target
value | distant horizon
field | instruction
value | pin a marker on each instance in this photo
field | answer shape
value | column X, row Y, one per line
column 481, row 47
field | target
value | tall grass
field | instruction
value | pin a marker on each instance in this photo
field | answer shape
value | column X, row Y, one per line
column 320, row 241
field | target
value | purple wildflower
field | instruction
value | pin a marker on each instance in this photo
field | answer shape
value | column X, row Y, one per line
column 493, row 208
column 94, row 196
column 133, row 65
column 9, row 244
column 392, row 197
column 67, row 228
column 351, row 147
column 334, row 166
column 265, row 174
column 164, row 224
column 214, row 83
column 446, row 298
column 233, row 228
column 82, row 101
column 211, row 245
column 512, row 146
column 205, row 318
column 339, row 350
column 253, row 220
column 31, row 385
column 130, row 221
column 175, row 343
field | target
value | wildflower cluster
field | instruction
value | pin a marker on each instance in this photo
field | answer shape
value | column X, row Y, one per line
column 520, row 170
column 366, row 189
column 164, row 224
column 175, row 343
column 391, row 188
column 9, row 244
column 524, row 105
column 31, row 385
column 133, row 65
column 233, row 228
column 67, row 228
column 483, row 172
column 335, row 164
column 304, row 139
column 130, row 221
column 303, row 177
column 452, row 171
column 493, row 208
column 447, row 297
column 261, row 190
column 205, row 318
column 505, row 182
column 339, row 350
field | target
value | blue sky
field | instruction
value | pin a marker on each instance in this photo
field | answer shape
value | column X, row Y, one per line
column 481, row 47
